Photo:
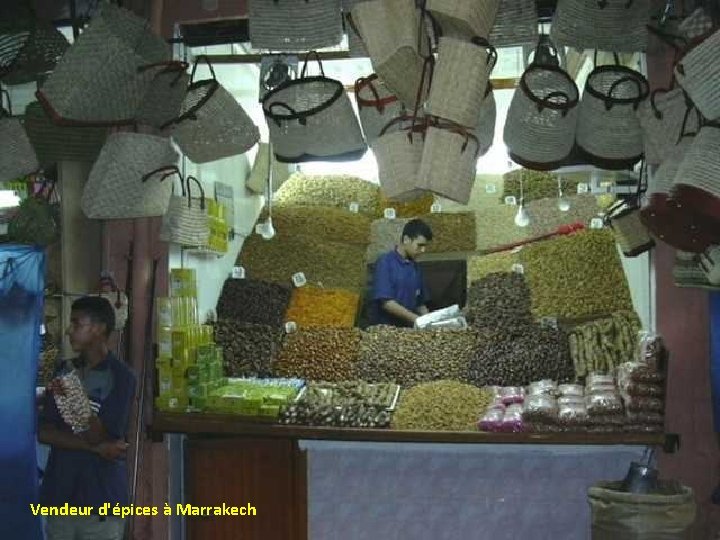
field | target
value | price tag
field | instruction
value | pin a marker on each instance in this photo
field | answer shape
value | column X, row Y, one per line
column 510, row 200
column 290, row 327
column 582, row 187
column 490, row 187
column 596, row 223
column 518, row 268
column 298, row 279
column 389, row 213
column 354, row 207
column 436, row 208
column 238, row 272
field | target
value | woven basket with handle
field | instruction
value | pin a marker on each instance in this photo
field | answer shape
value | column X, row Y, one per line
column 376, row 106
column 661, row 118
column 697, row 182
column 38, row 55
column 186, row 220
column 17, row 157
column 165, row 95
column 698, row 72
column 516, row 24
column 398, row 155
column 485, row 130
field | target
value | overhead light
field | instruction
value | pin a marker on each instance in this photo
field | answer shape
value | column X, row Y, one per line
column 522, row 218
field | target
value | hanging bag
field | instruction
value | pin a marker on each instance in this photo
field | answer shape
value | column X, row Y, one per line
column 661, row 119
column 460, row 79
column 376, row 106
column 97, row 81
column 608, row 25
column 312, row 119
column 541, row 121
column 608, row 130
column 698, row 72
column 464, row 18
column 186, row 220
column 516, row 24
column 17, row 157
column 40, row 51
column 356, row 47
column 165, row 95
column 127, row 180
column 697, row 182
column 295, row 25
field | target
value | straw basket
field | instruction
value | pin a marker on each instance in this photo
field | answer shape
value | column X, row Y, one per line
column 126, row 179
column 608, row 130
column 697, row 183
column 356, row 48
column 311, row 118
column 211, row 125
column 54, row 143
column 464, row 18
column 164, row 98
column 630, row 233
column 376, row 106
column 460, row 80
column 540, row 126
column 97, row 80
column 17, row 158
column 516, row 24
column 295, row 25
column 661, row 118
column 38, row 55
column 485, row 130
column 398, row 155
column 448, row 162
column 698, row 72
column 608, row 25
column 186, row 220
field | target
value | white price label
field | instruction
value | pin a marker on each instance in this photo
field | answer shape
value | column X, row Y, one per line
column 490, row 188
column 290, row 327
column 510, row 200
column 298, row 279
column 596, row 223
column 354, row 207
column 582, row 187
column 436, row 208
column 518, row 268
column 238, row 272
column 389, row 213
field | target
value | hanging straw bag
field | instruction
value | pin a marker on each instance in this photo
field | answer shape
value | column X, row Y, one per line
column 356, row 48
column 464, row 18
column 38, row 55
column 541, row 121
column 257, row 182
column 460, row 79
column 98, row 80
column 661, row 118
column 165, row 95
column 295, row 25
column 126, row 181
column 211, row 125
column 698, row 72
column 516, row 24
column 376, row 106
column 17, row 157
column 608, row 25
column 623, row 218
column 54, row 143
column 391, row 32
column 697, row 183
column 485, row 130
column 186, row 220
column 312, row 119
column 608, row 131
column 398, row 152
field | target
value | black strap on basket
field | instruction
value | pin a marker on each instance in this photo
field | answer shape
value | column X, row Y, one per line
column 307, row 59
column 189, row 195
column 168, row 67
column 491, row 52
column 557, row 100
column 168, row 169
column 642, row 92
column 212, row 84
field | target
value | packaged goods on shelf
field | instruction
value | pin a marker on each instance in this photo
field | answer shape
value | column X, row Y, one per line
column 651, row 352
column 642, row 387
column 315, row 306
column 253, row 301
column 251, row 397
column 321, row 223
column 441, row 406
column 319, row 354
column 499, row 299
column 248, row 349
column 540, row 408
column 183, row 283
column 407, row 356
column 328, row 263
column 176, row 311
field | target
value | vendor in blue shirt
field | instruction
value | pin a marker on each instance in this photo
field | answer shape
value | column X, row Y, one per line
column 88, row 469
column 399, row 295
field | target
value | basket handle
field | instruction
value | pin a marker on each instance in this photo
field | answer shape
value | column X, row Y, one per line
column 616, row 58
column 628, row 78
column 379, row 103
column 690, row 108
column 460, row 130
column 427, row 74
column 307, row 59
column 420, row 128
column 169, row 171
column 491, row 52
column 195, row 65
column 302, row 120
column 543, row 103
column 189, row 195
column 168, row 67
column 602, row 4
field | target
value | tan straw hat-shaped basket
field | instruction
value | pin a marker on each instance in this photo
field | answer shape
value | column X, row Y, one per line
column 17, row 157
column 661, row 118
column 464, row 18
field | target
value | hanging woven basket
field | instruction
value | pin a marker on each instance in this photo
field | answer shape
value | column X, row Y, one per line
column 186, row 221
column 516, row 24
column 398, row 152
column 697, row 183
column 38, row 55
column 460, row 80
column 464, row 18
column 541, row 121
column 630, row 233
column 311, row 118
column 661, row 119
column 608, row 25
column 608, row 131
column 17, row 157
column 376, row 106
column 698, row 72
column 164, row 98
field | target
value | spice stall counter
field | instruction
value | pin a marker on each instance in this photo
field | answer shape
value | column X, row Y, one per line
column 322, row 483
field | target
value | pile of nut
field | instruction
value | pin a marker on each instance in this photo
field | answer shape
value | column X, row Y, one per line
column 480, row 266
column 545, row 217
column 536, row 185
column 253, row 301
column 319, row 354
column 496, row 227
column 407, row 356
column 411, row 208
column 349, row 393
column 576, row 276
column 72, row 403
column 441, row 406
column 321, row 223
column 500, row 299
column 515, row 356
column 248, row 349
column 337, row 191
column 604, row 344
column 315, row 306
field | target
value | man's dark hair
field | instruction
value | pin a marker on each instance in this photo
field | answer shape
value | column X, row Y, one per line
column 415, row 228
column 97, row 309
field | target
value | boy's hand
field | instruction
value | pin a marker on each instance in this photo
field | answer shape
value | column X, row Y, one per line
column 56, row 386
column 111, row 450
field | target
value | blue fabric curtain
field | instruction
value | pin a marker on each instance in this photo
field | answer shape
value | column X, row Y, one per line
column 22, row 270
column 715, row 356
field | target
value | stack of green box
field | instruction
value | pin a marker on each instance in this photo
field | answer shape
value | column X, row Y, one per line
column 253, row 397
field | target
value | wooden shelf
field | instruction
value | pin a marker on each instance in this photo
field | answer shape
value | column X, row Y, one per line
column 220, row 424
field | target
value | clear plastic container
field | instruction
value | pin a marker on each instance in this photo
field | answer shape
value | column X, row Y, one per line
column 513, row 419
column 510, row 395
column 492, row 420
column 644, row 404
column 650, row 348
column 572, row 414
column 540, row 408
column 645, row 417
column 604, row 403
column 571, row 390
column 571, row 400
column 597, row 378
column 546, row 386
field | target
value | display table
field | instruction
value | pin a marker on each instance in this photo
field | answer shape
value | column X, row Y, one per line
column 329, row 483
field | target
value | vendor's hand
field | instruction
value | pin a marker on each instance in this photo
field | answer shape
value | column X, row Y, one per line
column 95, row 433
column 111, row 450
